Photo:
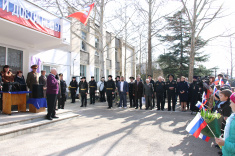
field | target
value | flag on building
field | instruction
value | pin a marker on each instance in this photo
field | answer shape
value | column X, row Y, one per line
column 196, row 125
column 203, row 137
column 84, row 14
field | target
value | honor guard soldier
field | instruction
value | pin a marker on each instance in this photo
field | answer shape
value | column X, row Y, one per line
column 83, row 90
column 110, row 90
column 171, row 89
column 131, row 96
column 93, row 88
column 153, row 83
column 159, row 89
column 32, row 78
column 73, row 88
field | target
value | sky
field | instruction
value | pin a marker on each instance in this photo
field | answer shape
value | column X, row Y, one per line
column 217, row 49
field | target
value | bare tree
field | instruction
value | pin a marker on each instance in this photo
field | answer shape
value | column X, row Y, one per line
column 200, row 16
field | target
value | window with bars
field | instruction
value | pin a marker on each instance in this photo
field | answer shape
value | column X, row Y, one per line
column 11, row 57
column 97, row 74
column 82, row 70
column 83, row 43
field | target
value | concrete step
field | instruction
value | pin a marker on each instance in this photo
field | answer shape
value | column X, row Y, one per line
column 34, row 125
column 27, row 119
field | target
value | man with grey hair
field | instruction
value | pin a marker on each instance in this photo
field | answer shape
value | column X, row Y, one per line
column 148, row 94
column 52, row 91
column 159, row 90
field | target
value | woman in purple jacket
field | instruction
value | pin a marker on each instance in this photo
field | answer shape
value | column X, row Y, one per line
column 52, row 91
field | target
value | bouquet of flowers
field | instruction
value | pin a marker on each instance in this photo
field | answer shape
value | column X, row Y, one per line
column 214, row 121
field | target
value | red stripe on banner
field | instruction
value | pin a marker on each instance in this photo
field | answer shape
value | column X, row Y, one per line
column 27, row 23
column 198, row 131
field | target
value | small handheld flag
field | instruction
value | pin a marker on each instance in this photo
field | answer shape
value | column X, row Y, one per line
column 84, row 14
column 200, row 106
column 204, row 101
column 196, row 125
column 203, row 137
column 221, row 82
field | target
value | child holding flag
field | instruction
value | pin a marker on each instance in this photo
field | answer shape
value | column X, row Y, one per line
column 224, row 108
column 228, row 142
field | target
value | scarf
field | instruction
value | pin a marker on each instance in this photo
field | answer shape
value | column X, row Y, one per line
column 227, row 127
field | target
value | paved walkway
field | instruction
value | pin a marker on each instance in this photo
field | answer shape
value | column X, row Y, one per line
column 115, row 132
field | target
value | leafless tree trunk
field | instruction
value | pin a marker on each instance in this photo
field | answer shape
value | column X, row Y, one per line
column 101, row 39
column 150, row 38
column 199, row 18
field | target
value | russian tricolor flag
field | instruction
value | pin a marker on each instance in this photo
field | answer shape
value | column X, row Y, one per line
column 204, row 101
column 203, row 137
column 196, row 125
column 200, row 106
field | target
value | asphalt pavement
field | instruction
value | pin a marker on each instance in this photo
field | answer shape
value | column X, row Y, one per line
column 115, row 132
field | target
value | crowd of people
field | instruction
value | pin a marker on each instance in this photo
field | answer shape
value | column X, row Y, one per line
column 54, row 87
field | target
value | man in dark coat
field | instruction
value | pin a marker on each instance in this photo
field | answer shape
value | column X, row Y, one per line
column 93, row 88
column 83, row 90
column 171, row 89
column 73, row 86
column 159, row 89
column 153, row 83
column 138, row 92
column 52, row 91
column 62, row 97
column 193, row 94
column 110, row 90
column 43, row 81
column 32, row 78
column 148, row 94
column 131, row 96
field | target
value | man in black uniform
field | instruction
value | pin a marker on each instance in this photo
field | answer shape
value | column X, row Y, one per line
column 63, row 87
column 153, row 83
column 93, row 88
column 171, row 88
column 83, row 90
column 110, row 89
column 193, row 94
column 131, row 96
column 159, row 89
column 73, row 88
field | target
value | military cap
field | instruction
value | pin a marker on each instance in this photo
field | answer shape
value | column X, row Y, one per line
column 83, row 77
column 132, row 77
column 34, row 66
column 92, row 77
column 118, row 77
column 110, row 76
column 194, row 77
column 102, row 77
column 74, row 77
column 60, row 74
column 170, row 75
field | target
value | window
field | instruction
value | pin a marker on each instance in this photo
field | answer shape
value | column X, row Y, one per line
column 107, row 73
column 11, row 57
column 116, row 54
column 2, row 57
column 82, row 70
column 107, row 50
column 96, row 43
column 96, row 53
column 83, row 43
column 97, row 74
column 15, row 59
column 47, row 69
